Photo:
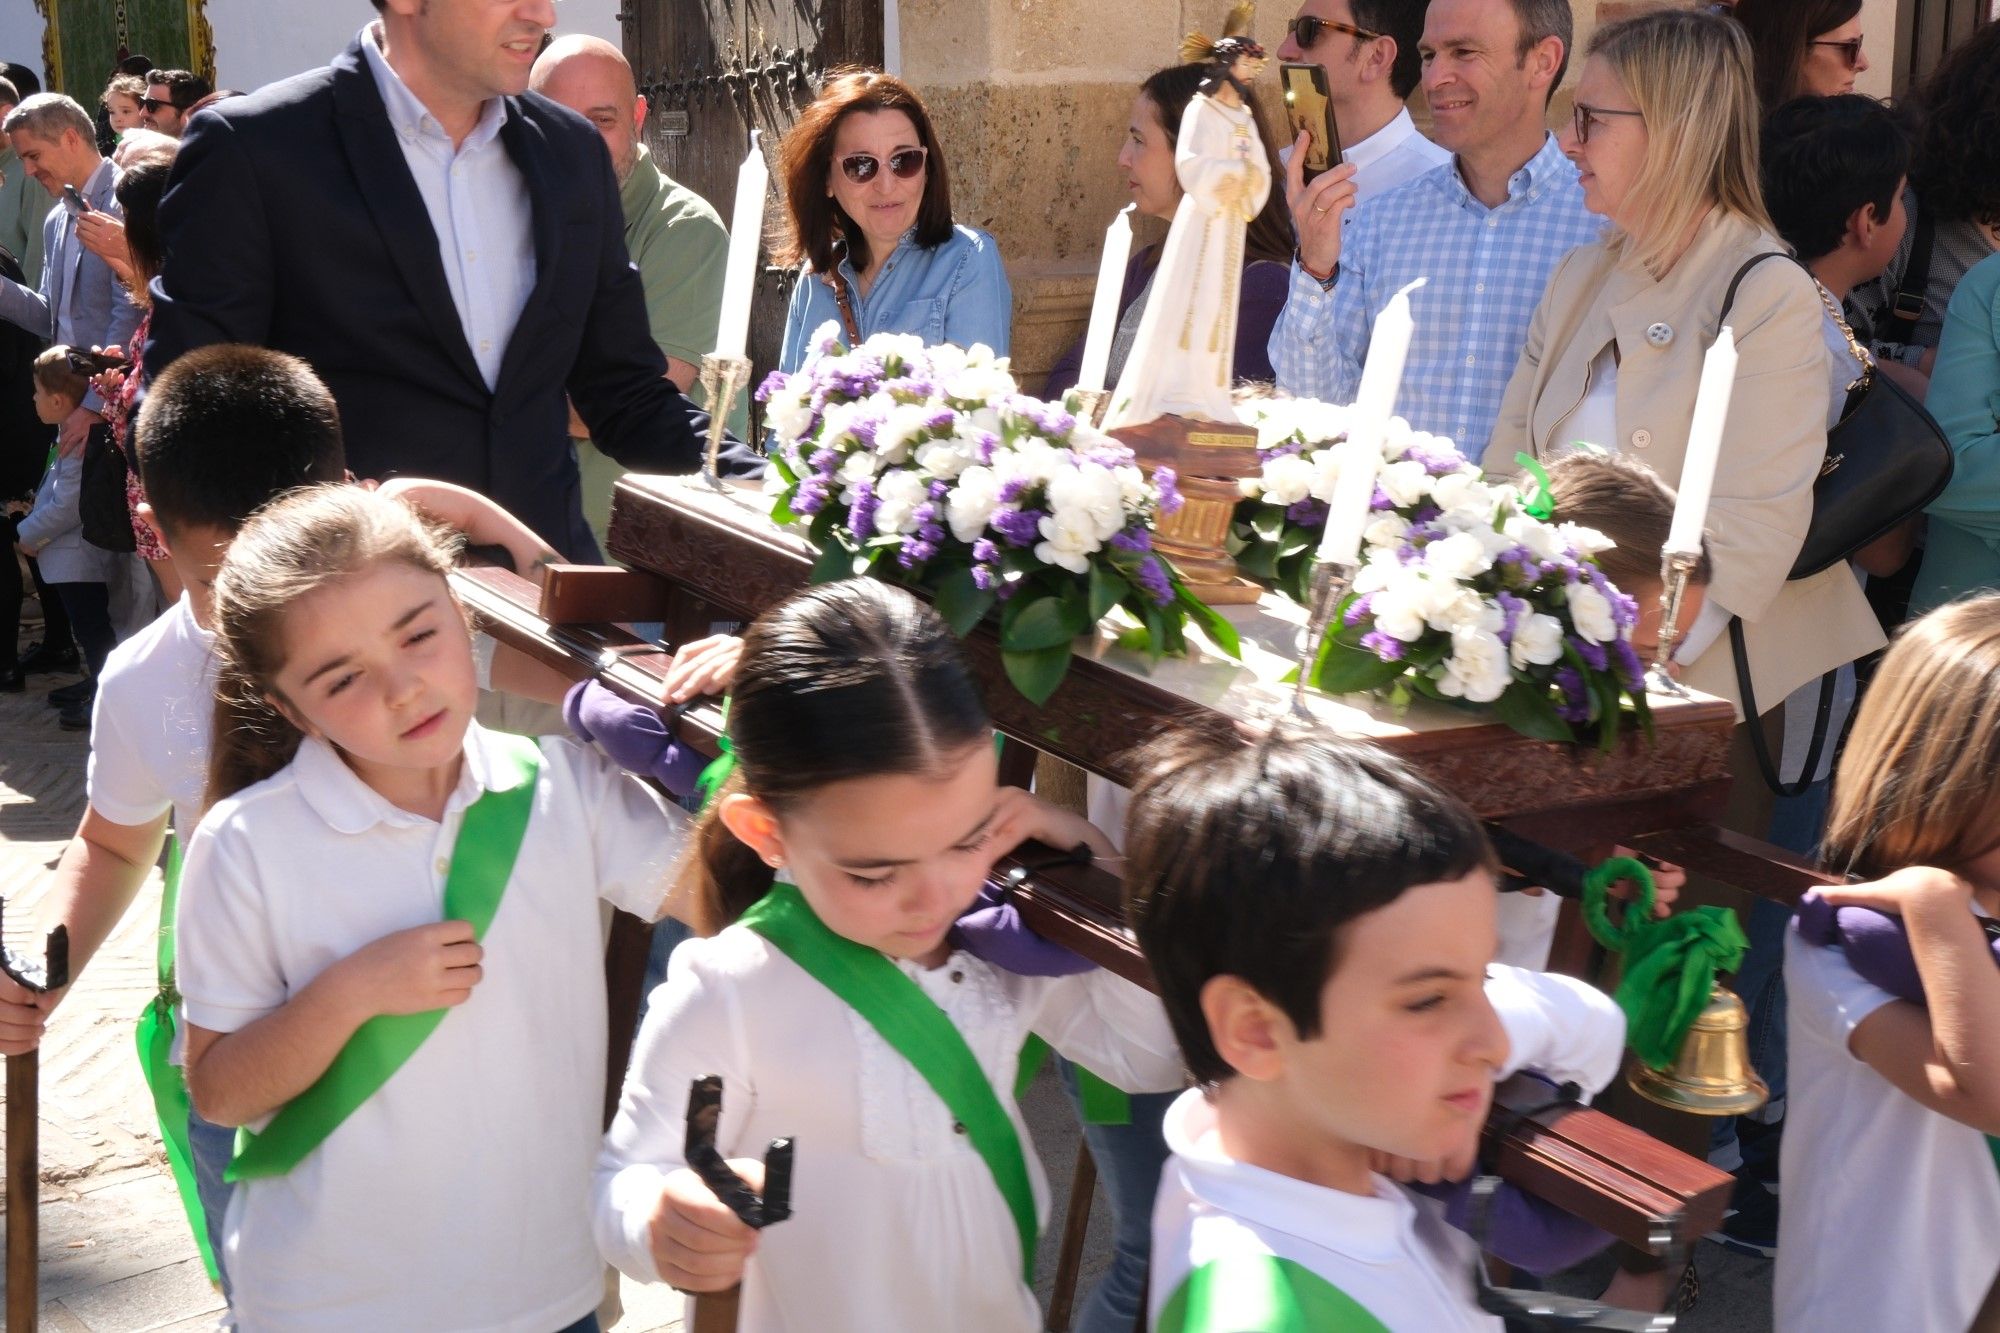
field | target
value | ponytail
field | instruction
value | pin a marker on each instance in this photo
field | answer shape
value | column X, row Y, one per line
column 725, row 877
column 252, row 740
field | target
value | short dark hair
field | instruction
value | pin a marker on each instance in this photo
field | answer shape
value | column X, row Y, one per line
column 1541, row 20
column 1402, row 21
column 1824, row 157
column 1955, row 165
column 24, row 79
column 1629, row 504
column 1781, row 34
column 184, row 87
column 1246, row 860
column 227, row 428
column 138, row 190
column 805, row 163
column 54, row 374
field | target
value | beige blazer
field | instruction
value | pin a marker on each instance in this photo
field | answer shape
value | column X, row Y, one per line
column 1772, row 446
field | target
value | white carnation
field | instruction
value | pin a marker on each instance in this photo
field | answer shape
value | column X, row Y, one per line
column 1386, row 530
column 1590, row 612
column 902, row 491
column 1589, row 541
column 1405, row 483
column 903, row 423
column 1068, row 542
column 1538, row 640
column 1326, row 474
column 857, row 467
column 1460, row 556
column 945, row 458
column 1288, row 479
column 1465, row 493
column 1089, row 498
column 972, row 502
column 1477, row 669
column 788, row 413
column 1543, row 542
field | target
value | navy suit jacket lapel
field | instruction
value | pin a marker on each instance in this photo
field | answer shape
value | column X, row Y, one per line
column 390, row 193
column 527, row 144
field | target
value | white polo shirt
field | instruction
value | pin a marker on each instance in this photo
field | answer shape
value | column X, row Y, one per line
column 457, row 1198
column 149, row 736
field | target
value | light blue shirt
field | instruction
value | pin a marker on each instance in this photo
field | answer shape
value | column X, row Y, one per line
column 479, row 207
column 956, row 293
column 1486, row 269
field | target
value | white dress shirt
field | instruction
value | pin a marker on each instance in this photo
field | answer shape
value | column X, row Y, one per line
column 479, row 207
column 1392, row 155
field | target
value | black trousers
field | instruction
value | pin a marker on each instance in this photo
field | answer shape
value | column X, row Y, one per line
column 89, row 608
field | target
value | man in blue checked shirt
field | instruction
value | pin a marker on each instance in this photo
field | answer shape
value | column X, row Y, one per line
column 1486, row 228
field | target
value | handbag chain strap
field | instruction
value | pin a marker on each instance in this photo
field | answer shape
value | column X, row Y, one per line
column 1861, row 353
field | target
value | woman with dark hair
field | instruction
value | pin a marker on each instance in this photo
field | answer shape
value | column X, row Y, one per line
column 868, row 208
column 1802, row 48
column 1147, row 159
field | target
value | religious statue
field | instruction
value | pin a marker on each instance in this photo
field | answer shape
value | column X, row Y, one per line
column 1181, row 361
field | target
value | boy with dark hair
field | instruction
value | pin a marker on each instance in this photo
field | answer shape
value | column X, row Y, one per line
column 1320, row 923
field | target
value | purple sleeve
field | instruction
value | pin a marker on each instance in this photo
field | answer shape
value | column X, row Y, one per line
column 1265, row 286
column 1524, row 1231
column 1062, row 375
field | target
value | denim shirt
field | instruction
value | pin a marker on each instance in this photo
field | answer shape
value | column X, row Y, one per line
column 957, row 293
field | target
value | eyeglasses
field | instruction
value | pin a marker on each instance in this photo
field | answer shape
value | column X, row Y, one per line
column 1306, row 28
column 155, row 103
column 1584, row 116
column 903, row 164
column 1850, row 50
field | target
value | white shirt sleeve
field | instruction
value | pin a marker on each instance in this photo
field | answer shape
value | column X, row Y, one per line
column 635, row 836
column 1564, row 1029
column 225, row 965
column 1826, row 993
column 119, row 781
column 1116, row 1030
column 692, row 1030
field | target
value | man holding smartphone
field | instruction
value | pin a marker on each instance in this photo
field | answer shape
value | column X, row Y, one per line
column 78, row 300
column 1368, row 52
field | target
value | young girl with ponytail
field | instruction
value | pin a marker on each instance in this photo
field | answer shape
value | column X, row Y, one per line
column 389, row 945
column 836, row 1003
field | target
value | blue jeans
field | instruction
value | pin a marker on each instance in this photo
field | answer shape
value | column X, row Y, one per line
column 211, row 1146
column 587, row 1324
column 1129, row 1159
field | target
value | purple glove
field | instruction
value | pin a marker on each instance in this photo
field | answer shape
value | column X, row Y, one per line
column 991, row 929
column 1524, row 1231
column 636, row 738
column 1877, row 944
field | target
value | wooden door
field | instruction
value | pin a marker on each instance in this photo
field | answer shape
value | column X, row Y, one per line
column 1927, row 31
column 714, row 69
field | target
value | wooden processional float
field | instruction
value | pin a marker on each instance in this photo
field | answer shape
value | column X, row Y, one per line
column 705, row 560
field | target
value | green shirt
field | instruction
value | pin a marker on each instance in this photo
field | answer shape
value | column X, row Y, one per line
column 679, row 245
column 24, row 206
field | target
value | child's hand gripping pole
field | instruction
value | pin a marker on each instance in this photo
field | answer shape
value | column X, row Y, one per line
column 23, row 1147
column 704, row 1111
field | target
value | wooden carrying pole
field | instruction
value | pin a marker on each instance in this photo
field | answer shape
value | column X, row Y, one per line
column 24, row 1139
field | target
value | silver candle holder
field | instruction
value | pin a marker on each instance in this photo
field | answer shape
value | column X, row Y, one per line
column 1330, row 583
column 1676, row 567
column 1090, row 405
column 722, row 378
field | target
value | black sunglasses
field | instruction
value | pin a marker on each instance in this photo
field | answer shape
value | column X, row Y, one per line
column 1306, row 28
column 1850, row 49
column 903, row 164
column 155, row 103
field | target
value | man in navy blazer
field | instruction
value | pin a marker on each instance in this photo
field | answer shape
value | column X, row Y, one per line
column 446, row 250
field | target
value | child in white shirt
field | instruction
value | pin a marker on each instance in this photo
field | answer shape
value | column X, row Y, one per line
column 449, row 1190
column 1320, row 923
column 1892, row 1200
column 866, row 786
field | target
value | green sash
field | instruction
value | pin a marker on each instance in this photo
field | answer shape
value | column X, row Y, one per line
column 482, row 859
column 911, row 1022
column 1261, row 1293
column 165, row 1079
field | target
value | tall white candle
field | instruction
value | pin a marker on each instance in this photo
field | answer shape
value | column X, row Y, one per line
column 1104, row 304
column 746, row 234
column 1711, row 411
column 1361, row 454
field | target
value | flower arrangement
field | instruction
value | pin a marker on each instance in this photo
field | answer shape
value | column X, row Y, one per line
column 927, row 466
column 1468, row 591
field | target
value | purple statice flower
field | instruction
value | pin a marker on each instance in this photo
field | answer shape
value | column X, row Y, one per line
column 1020, row 527
column 1630, row 670
column 1360, row 610
column 985, row 552
column 984, row 445
column 1012, row 489
column 1381, row 500
column 1291, row 446
column 915, row 552
column 1438, row 461
column 939, row 489
column 772, row 383
column 1426, row 513
column 940, row 421
column 1512, row 608
column 1153, row 581
column 1005, row 588
column 1136, row 540
column 861, row 517
column 983, row 577
column 1307, row 513
column 1385, row 646
column 825, row 462
column 1049, row 419
column 1168, row 483
column 811, row 496
column 1593, row 654
column 1575, row 705
column 1624, row 609
column 1108, row 453
column 862, row 426
column 909, row 387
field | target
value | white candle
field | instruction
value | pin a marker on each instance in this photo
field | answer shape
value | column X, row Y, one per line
column 746, row 234
column 1361, row 454
column 1104, row 304
column 1711, row 411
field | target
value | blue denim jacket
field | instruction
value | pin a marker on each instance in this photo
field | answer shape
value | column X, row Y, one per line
column 956, row 293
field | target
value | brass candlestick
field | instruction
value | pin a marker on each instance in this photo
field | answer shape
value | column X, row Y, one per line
column 1675, row 569
column 1330, row 582
column 721, row 379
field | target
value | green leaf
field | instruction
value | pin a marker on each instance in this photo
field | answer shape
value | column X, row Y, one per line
column 1219, row 631
column 1045, row 622
column 1156, row 632
column 783, row 469
column 835, row 562
column 1342, row 669
column 961, row 602
column 1528, row 709
column 1269, row 523
column 781, row 511
column 1258, row 561
column 1036, row 673
column 1107, row 588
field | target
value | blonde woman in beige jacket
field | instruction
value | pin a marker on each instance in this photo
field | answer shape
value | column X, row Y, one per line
column 1665, row 138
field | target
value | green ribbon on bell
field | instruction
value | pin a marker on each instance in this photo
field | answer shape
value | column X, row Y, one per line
column 1670, row 962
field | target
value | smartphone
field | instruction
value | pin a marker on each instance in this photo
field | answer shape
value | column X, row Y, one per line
column 1309, row 107
column 74, row 201
column 94, row 363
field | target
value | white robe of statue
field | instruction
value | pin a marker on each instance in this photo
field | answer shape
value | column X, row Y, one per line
column 1181, row 361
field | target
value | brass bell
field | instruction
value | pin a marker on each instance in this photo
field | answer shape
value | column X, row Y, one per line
column 1712, row 1076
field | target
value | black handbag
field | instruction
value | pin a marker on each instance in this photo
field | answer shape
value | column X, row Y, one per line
column 107, row 519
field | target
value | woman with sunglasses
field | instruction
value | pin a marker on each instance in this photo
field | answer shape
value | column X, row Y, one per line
column 868, row 207
column 1802, row 48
